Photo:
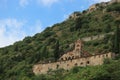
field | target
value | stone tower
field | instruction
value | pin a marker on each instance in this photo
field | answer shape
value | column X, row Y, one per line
column 78, row 48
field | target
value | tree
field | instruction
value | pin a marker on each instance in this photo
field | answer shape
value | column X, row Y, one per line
column 44, row 53
column 114, row 7
column 117, row 40
column 56, row 50
column 78, row 24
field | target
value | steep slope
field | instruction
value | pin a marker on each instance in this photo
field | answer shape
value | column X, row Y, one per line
column 16, row 60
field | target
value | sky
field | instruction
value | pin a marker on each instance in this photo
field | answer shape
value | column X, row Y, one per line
column 21, row 18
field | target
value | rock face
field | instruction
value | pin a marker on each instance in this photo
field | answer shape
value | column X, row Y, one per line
column 77, row 57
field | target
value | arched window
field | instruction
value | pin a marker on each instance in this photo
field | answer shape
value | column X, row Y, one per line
column 76, row 64
column 78, row 45
column 72, row 57
column 69, row 58
column 65, row 58
column 81, row 63
column 106, row 55
column 88, row 62
column 62, row 59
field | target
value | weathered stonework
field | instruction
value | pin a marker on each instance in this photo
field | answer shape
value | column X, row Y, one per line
column 92, row 8
column 102, row 4
column 74, row 15
column 114, row 1
column 68, row 64
column 97, row 6
column 77, row 57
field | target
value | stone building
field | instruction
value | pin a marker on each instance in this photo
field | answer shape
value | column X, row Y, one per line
column 76, row 53
column 77, row 57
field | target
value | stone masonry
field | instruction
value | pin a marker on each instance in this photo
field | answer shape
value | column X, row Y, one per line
column 103, row 4
column 114, row 1
column 77, row 57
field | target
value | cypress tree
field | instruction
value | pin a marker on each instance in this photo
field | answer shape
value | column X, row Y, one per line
column 117, row 39
column 56, row 50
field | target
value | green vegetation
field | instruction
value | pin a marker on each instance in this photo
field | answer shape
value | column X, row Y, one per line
column 16, row 61
column 114, row 7
column 117, row 39
column 56, row 51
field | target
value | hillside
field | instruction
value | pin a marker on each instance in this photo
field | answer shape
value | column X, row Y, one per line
column 16, row 61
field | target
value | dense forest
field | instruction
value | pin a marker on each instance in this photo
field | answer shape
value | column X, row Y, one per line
column 17, row 60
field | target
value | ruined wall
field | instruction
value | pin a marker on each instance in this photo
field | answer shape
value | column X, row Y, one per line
column 92, row 8
column 91, row 60
column 74, row 15
column 101, row 36
column 113, row 1
column 103, row 4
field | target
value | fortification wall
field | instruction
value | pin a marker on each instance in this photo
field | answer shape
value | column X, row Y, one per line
column 91, row 61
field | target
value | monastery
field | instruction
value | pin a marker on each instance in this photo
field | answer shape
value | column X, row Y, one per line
column 77, row 57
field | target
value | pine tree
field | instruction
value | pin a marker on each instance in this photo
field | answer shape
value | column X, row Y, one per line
column 56, row 50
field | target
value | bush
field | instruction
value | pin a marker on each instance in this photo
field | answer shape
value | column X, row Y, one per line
column 75, row 69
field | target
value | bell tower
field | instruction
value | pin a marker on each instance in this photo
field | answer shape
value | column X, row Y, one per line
column 78, row 47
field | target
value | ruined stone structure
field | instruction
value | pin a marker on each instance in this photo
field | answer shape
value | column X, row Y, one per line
column 97, row 6
column 77, row 57
column 77, row 52
column 92, row 8
column 102, row 4
column 97, row 37
column 114, row 1
column 74, row 15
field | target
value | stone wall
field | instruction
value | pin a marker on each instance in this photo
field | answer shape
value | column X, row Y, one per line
column 92, row 8
column 74, row 15
column 101, row 36
column 103, row 4
column 68, row 64
column 114, row 1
